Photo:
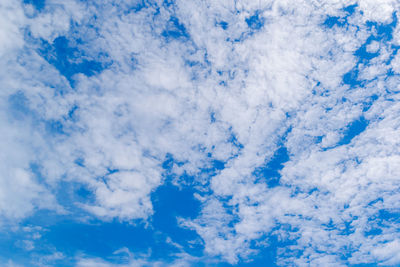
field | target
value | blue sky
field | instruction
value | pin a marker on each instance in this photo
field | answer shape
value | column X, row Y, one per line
column 199, row 133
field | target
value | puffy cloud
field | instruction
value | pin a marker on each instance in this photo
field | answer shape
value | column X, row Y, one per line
column 101, row 94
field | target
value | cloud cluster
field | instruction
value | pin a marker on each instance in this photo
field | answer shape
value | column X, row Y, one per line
column 98, row 95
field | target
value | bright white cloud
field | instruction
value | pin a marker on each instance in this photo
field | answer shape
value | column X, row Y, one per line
column 174, row 82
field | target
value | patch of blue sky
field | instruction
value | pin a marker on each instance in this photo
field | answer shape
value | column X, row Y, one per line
column 332, row 21
column 364, row 265
column 168, row 3
column 69, row 59
column 99, row 238
column 380, row 33
column 350, row 9
column 255, row 22
column 383, row 31
column 171, row 203
column 70, row 193
column 138, row 6
column 340, row 21
column 381, row 220
column 394, row 51
column 162, row 236
column 373, row 231
column 13, row 246
column 389, row 216
column 212, row 117
column 351, row 78
column 102, row 239
column 175, row 30
column 270, row 173
column 362, row 54
column 352, row 130
column 38, row 4
column 368, row 102
column 223, row 24
column 343, row 228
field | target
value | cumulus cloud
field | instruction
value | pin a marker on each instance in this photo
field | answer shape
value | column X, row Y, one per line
column 101, row 94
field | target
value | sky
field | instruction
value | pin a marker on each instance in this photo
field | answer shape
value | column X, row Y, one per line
column 199, row 133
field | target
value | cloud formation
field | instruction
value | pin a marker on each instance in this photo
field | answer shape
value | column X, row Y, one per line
column 281, row 116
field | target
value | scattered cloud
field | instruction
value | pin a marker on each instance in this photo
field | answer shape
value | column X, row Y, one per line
column 282, row 118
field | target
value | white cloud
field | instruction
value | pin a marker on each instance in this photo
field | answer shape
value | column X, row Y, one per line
column 12, row 19
column 123, row 257
column 280, row 84
column 380, row 12
column 373, row 47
